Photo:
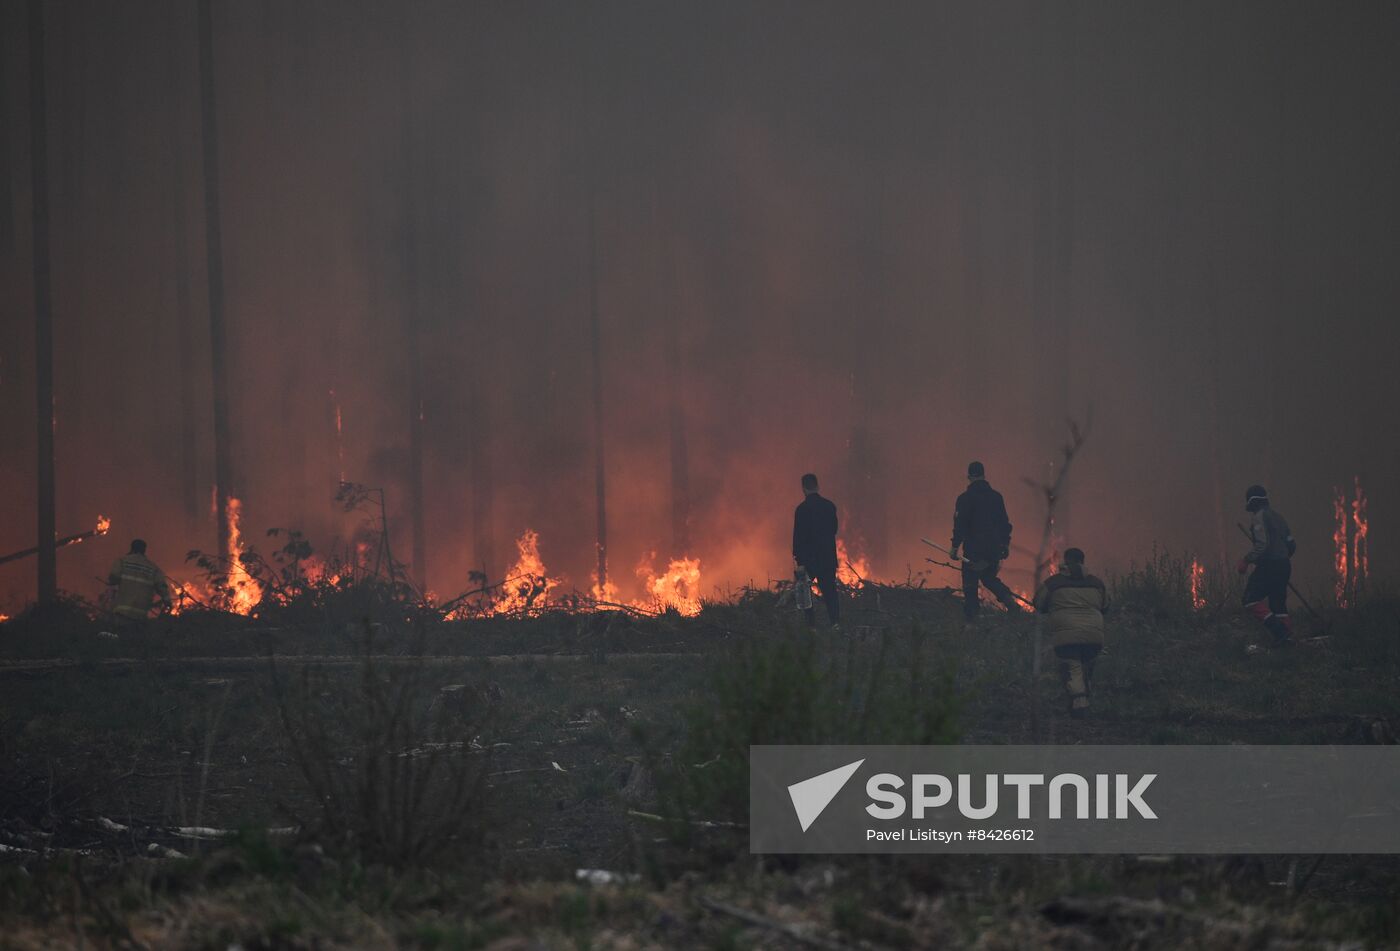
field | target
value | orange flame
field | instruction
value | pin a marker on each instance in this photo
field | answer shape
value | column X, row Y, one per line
column 4, row 618
column 851, row 570
column 1340, row 548
column 244, row 592
column 1198, row 577
column 104, row 525
column 676, row 589
column 1360, row 543
column 528, row 585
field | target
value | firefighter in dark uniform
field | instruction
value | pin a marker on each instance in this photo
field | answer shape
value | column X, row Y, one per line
column 1075, row 602
column 1266, row 591
column 983, row 532
column 814, row 547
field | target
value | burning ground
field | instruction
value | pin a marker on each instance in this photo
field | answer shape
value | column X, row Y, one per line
column 161, row 788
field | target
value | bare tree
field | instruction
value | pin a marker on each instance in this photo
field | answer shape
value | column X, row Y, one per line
column 43, row 304
column 411, row 308
column 214, row 249
column 1052, row 492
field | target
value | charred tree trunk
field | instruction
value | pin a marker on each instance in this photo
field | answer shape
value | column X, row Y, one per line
column 870, row 308
column 213, row 244
column 412, row 321
column 190, row 498
column 596, row 347
column 43, row 306
column 483, row 485
column 670, row 304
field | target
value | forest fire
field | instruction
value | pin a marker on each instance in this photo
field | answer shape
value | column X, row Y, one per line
column 528, row 585
column 677, row 588
column 851, row 570
column 1350, row 544
column 1198, row 577
column 243, row 590
column 1340, row 553
column 1360, row 543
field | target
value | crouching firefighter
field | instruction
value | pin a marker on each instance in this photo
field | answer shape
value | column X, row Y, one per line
column 1075, row 602
column 1266, row 591
column 138, row 582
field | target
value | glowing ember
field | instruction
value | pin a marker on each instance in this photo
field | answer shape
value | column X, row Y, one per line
column 104, row 525
column 1198, row 577
column 851, row 570
column 1360, row 543
column 244, row 592
column 528, row 584
column 4, row 618
column 676, row 589
column 1340, row 548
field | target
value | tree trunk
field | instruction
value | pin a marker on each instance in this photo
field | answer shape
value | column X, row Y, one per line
column 43, row 306
column 671, row 321
column 190, row 496
column 213, row 244
column 596, row 341
column 412, row 322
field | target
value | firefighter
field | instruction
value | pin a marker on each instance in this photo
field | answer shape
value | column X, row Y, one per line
column 137, row 582
column 1266, row 591
column 1075, row 602
column 814, row 529
column 983, row 532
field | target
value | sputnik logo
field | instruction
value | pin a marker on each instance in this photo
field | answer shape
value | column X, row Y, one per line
column 811, row 796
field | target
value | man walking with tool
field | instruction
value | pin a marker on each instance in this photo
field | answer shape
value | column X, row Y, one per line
column 983, row 532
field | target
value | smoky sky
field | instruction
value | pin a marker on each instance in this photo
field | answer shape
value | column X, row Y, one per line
column 874, row 241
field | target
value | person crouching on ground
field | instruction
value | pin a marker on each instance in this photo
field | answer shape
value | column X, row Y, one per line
column 1075, row 602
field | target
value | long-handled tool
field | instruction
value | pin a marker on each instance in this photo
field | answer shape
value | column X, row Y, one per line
column 1296, row 593
column 968, row 562
column 103, row 524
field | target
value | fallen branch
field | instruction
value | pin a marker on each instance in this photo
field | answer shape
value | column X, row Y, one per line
column 794, row 932
column 698, row 823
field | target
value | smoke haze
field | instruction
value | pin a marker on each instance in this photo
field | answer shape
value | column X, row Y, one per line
column 870, row 241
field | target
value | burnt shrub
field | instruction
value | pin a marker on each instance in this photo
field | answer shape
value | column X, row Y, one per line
column 788, row 687
column 394, row 766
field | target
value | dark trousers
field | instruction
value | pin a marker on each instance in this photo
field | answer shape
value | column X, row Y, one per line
column 826, row 581
column 986, row 576
column 1266, row 597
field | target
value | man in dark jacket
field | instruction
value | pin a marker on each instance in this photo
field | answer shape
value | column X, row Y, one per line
column 814, row 546
column 1266, row 592
column 983, row 532
column 1075, row 602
